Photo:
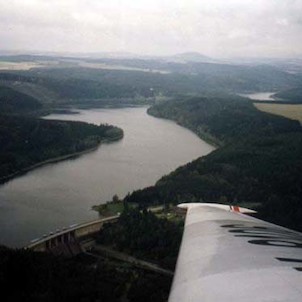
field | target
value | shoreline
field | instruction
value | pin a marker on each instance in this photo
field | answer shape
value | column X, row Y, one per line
column 23, row 171
column 214, row 142
column 3, row 179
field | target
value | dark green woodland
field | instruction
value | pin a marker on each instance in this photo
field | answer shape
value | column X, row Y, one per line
column 26, row 140
column 143, row 234
column 38, row 277
column 258, row 161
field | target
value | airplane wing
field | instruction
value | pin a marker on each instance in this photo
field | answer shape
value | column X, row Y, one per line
column 226, row 256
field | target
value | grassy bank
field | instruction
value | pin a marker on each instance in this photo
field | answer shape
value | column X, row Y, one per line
column 290, row 111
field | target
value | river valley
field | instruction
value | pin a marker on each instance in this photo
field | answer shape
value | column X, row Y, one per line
column 60, row 194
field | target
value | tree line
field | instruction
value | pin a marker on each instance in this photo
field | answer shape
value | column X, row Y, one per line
column 259, row 160
column 143, row 234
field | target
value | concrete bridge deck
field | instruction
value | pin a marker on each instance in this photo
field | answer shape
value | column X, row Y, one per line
column 68, row 241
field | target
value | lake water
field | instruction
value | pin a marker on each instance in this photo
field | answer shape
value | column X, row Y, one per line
column 61, row 194
column 259, row 96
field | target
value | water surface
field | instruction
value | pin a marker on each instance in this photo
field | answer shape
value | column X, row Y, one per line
column 61, row 194
column 260, row 96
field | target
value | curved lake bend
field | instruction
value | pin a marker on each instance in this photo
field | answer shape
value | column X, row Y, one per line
column 61, row 194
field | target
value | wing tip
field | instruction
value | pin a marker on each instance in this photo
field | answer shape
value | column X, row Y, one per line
column 230, row 208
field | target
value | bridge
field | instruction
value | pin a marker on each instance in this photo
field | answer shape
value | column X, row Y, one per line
column 71, row 241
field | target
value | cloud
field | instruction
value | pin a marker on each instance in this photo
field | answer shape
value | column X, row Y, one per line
column 216, row 27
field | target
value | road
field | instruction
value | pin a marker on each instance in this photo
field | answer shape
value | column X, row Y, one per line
column 107, row 252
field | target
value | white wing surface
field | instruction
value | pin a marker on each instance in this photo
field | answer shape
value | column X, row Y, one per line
column 226, row 256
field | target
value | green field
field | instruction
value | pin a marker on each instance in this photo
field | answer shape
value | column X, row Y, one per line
column 293, row 112
column 19, row 65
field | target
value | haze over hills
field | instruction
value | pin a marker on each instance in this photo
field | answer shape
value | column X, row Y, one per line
column 188, row 56
column 64, row 83
column 187, row 61
column 180, row 62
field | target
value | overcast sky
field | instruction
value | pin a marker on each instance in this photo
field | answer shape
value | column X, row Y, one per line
column 218, row 28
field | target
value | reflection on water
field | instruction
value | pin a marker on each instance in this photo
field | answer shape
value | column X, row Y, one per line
column 61, row 194
column 260, row 96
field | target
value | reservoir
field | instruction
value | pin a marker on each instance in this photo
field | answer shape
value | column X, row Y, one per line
column 260, row 96
column 61, row 194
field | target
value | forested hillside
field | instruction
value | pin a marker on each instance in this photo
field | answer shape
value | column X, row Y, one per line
column 70, row 81
column 229, row 76
column 259, row 161
column 25, row 142
column 14, row 102
column 181, row 79
column 31, row 276
column 143, row 234
column 293, row 95
column 223, row 119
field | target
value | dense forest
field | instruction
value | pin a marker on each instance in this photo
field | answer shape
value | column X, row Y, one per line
column 69, row 82
column 143, row 234
column 223, row 119
column 195, row 79
column 25, row 142
column 30, row 276
column 293, row 95
column 14, row 102
column 259, row 159
column 258, row 163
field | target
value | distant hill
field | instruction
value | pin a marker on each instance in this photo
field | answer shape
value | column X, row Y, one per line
column 12, row 101
column 141, row 80
column 67, row 85
column 191, row 57
column 293, row 95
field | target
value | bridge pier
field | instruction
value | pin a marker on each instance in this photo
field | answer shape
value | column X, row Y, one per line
column 68, row 242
